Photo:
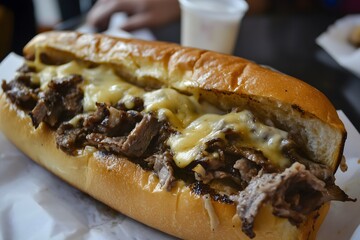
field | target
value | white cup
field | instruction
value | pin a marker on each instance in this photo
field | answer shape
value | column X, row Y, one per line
column 211, row 24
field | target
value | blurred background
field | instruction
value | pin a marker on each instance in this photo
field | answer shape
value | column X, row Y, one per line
column 22, row 19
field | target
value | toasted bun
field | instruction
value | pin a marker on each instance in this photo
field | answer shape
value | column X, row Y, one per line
column 222, row 80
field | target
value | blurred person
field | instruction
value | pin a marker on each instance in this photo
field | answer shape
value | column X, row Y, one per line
column 153, row 13
column 142, row 13
column 146, row 13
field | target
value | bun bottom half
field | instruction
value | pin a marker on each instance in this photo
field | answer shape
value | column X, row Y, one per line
column 127, row 188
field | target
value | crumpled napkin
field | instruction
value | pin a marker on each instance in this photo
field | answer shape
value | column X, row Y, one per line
column 335, row 42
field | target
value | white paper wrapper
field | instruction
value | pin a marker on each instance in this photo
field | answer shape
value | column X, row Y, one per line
column 343, row 218
column 335, row 42
column 35, row 204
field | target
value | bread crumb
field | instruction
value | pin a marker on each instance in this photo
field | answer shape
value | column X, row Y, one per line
column 214, row 220
column 343, row 165
column 354, row 37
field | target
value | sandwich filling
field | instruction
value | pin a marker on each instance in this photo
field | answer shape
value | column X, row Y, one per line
column 230, row 156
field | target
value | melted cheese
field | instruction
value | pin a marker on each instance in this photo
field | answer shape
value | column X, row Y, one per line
column 101, row 84
column 196, row 123
column 191, row 142
column 169, row 104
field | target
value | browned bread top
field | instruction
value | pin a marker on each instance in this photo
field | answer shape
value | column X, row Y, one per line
column 223, row 80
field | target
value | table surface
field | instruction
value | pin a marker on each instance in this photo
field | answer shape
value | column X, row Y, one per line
column 287, row 43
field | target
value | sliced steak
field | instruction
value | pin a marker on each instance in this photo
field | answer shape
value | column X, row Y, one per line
column 158, row 144
column 140, row 137
column 133, row 145
column 293, row 194
column 104, row 143
column 20, row 92
column 163, row 167
column 247, row 169
column 251, row 154
column 95, row 118
column 70, row 138
column 321, row 171
column 111, row 121
column 62, row 101
column 39, row 113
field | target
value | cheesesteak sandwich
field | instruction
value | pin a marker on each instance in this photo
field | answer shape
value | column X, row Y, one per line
column 194, row 143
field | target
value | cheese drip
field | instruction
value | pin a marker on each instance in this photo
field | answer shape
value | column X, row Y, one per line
column 178, row 108
column 196, row 123
column 191, row 142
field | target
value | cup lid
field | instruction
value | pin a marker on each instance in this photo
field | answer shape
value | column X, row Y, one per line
column 216, row 6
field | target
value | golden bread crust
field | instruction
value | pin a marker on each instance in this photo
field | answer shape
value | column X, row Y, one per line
column 204, row 69
column 223, row 80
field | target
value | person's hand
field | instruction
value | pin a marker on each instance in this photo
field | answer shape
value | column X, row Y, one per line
column 142, row 13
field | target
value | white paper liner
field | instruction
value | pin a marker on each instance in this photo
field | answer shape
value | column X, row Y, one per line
column 34, row 204
column 335, row 42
